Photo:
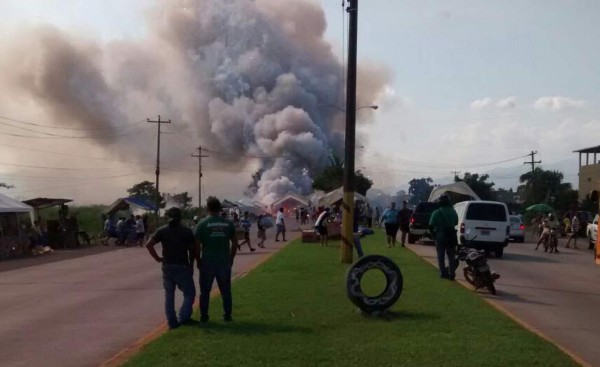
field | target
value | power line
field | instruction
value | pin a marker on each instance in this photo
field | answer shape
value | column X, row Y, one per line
column 63, row 168
column 67, row 128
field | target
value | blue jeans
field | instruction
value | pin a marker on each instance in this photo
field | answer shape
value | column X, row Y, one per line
column 208, row 274
column 178, row 276
column 443, row 248
column 358, row 246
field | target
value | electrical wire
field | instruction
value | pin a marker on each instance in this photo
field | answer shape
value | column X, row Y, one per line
column 68, row 128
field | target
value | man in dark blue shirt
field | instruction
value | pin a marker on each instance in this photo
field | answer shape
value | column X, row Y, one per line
column 179, row 250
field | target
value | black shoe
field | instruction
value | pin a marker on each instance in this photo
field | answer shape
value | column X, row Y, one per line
column 203, row 319
column 444, row 276
column 227, row 318
column 173, row 327
column 252, row 249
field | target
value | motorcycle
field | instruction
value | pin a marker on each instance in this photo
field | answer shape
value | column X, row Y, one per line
column 477, row 272
column 551, row 241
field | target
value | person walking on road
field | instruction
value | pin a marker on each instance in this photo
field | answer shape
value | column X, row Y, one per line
column 280, row 224
column 262, row 232
column 390, row 218
column 218, row 246
column 369, row 216
column 442, row 223
column 574, row 232
column 245, row 224
column 140, row 230
column 179, row 250
column 404, row 219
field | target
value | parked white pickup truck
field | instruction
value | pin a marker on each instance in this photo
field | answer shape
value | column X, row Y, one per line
column 592, row 232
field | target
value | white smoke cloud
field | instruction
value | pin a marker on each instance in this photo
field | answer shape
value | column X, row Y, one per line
column 481, row 103
column 507, row 103
column 557, row 103
column 240, row 77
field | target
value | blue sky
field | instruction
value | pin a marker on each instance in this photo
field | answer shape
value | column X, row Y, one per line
column 471, row 81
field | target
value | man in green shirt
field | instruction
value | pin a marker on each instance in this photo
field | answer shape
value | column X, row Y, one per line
column 218, row 246
column 443, row 222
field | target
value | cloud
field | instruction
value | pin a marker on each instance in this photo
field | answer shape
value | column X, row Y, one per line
column 557, row 103
column 504, row 103
column 507, row 103
column 481, row 103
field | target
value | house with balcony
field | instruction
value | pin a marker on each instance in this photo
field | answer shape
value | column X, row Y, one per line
column 589, row 172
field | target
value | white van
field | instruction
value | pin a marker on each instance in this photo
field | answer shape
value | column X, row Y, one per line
column 485, row 224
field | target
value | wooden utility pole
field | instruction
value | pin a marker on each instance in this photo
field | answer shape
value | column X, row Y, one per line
column 533, row 161
column 157, row 196
column 350, row 139
column 199, row 156
column 456, row 173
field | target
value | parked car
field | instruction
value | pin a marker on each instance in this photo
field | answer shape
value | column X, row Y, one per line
column 517, row 229
column 592, row 232
column 419, row 221
column 483, row 225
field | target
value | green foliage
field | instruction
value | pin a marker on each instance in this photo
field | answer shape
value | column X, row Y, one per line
column 333, row 178
column 479, row 185
column 419, row 189
column 289, row 314
column 545, row 186
column 147, row 191
column 89, row 217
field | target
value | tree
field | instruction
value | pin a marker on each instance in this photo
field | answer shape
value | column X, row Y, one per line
column 479, row 185
column 419, row 189
column 146, row 191
column 333, row 177
column 542, row 186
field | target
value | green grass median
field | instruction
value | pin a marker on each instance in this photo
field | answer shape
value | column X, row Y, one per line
column 293, row 311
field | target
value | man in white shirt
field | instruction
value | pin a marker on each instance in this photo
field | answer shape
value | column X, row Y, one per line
column 140, row 230
column 280, row 225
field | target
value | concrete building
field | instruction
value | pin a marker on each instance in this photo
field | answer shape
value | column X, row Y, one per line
column 589, row 172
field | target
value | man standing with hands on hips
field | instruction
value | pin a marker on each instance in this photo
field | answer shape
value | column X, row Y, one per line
column 218, row 246
column 178, row 253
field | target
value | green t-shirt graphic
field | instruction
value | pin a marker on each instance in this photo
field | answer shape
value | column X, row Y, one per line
column 215, row 234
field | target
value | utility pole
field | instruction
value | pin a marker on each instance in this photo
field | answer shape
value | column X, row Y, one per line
column 350, row 140
column 199, row 156
column 456, row 173
column 533, row 161
column 157, row 197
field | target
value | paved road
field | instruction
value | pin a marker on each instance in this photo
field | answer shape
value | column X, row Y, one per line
column 82, row 311
column 556, row 294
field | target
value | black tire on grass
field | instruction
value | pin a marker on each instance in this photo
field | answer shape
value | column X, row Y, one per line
column 393, row 287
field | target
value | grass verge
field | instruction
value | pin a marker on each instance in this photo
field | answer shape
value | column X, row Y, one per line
column 293, row 311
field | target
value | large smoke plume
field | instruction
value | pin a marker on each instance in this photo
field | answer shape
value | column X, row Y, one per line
column 244, row 78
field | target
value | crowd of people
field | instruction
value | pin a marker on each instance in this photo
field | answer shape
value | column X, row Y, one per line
column 126, row 231
column 547, row 228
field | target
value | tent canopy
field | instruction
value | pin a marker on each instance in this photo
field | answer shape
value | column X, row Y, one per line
column 458, row 187
column 126, row 203
column 10, row 205
column 43, row 203
column 337, row 195
column 291, row 196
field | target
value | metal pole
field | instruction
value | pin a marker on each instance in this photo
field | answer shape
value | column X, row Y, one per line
column 157, row 172
column 199, row 156
column 349, row 150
